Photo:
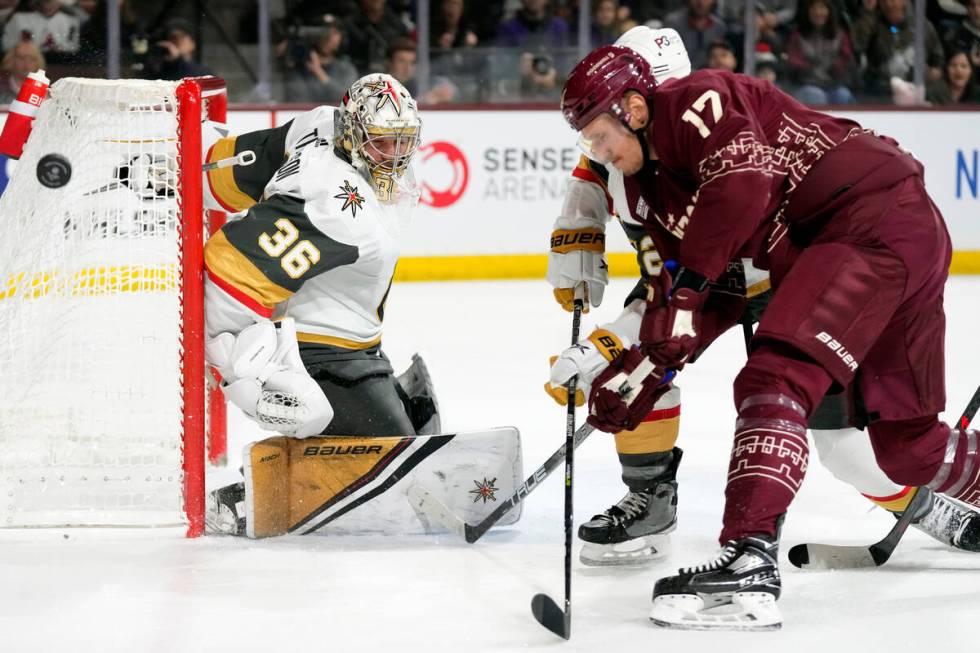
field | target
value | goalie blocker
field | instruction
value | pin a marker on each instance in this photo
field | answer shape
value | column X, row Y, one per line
column 361, row 484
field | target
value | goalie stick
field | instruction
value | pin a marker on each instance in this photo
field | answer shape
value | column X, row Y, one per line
column 829, row 556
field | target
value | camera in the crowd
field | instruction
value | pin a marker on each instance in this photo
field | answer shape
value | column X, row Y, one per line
column 542, row 64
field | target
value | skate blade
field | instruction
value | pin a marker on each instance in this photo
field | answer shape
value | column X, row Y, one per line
column 747, row 611
column 632, row 553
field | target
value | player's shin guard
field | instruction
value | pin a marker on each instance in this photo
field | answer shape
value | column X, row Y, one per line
column 774, row 394
column 769, row 460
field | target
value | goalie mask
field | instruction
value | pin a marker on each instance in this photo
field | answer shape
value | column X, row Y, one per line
column 380, row 130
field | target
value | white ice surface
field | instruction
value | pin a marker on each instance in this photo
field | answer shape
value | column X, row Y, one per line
column 487, row 346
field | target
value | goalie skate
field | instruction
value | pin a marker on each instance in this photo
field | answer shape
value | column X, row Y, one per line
column 225, row 511
column 737, row 591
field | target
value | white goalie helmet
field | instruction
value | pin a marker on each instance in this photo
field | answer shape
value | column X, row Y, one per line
column 381, row 130
column 662, row 48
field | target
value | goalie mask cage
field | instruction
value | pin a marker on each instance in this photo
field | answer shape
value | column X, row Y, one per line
column 103, row 406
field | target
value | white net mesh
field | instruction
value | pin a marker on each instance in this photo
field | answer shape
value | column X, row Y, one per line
column 90, row 314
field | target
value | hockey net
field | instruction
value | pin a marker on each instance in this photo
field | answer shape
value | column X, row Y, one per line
column 102, row 381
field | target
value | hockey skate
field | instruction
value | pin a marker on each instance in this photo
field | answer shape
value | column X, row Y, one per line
column 951, row 523
column 635, row 530
column 225, row 510
column 737, row 591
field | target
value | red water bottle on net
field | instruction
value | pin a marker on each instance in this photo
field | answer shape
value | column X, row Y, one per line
column 20, row 119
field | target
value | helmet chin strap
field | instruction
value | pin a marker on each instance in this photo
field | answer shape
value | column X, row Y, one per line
column 639, row 132
column 641, row 135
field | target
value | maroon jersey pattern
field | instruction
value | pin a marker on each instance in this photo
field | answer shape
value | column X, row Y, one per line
column 745, row 147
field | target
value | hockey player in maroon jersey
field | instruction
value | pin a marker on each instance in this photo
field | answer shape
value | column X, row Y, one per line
column 858, row 256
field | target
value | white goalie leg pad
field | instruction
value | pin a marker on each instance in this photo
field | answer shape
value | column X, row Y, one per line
column 746, row 611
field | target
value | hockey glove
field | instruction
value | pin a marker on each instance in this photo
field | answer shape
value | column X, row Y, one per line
column 625, row 392
column 591, row 355
column 577, row 257
column 671, row 329
column 263, row 375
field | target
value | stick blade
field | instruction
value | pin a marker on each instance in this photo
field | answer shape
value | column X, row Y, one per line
column 472, row 533
column 549, row 615
column 827, row 556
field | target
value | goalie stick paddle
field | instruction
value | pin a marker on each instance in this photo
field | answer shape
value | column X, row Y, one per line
column 829, row 556
column 543, row 607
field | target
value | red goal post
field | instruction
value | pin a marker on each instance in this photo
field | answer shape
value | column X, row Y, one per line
column 106, row 412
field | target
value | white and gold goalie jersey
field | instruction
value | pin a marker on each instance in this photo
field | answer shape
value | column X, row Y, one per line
column 315, row 244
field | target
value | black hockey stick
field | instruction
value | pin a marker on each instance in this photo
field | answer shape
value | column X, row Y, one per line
column 438, row 511
column 747, row 334
column 543, row 607
column 829, row 556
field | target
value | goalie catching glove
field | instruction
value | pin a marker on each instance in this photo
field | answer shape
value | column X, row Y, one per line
column 625, row 392
column 263, row 375
column 592, row 355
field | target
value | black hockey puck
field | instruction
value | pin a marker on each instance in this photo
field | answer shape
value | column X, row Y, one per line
column 53, row 170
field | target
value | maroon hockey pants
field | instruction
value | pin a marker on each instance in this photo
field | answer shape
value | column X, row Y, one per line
column 862, row 304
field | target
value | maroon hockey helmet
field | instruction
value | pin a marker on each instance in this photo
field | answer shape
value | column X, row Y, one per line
column 597, row 84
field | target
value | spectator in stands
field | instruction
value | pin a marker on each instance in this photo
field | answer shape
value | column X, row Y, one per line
column 776, row 16
column 92, row 15
column 401, row 64
column 887, row 40
column 450, row 28
column 533, row 27
column 370, row 29
column 18, row 62
column 698, row 27
column 7, row 8
column 958, row 84
column 322, row 74
column 966, row 36
column 649, row 12
column 721, row 56
column 543, row 42
column 607, row 26
column 819, row 57
column 768, row 65
column 174, row 57
column 311, row 12
column 452, row 37
column 55, row 32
